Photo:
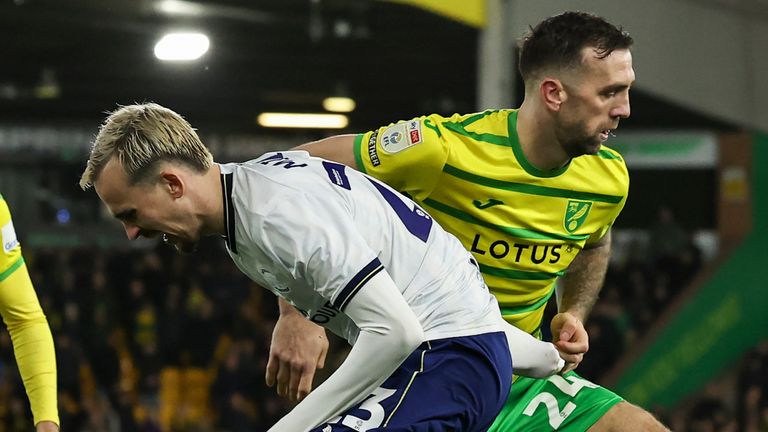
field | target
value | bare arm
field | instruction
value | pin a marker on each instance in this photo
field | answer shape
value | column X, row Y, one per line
column 581, row 287
column 339, row 148
column 584, row 279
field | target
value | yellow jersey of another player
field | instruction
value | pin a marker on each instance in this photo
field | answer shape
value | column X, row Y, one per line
column 523, row 225
column 30, row 334
column 11, row 258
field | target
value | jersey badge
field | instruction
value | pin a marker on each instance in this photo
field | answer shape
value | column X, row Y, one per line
column 9, row 237
column 399, row 137
column 575, row 214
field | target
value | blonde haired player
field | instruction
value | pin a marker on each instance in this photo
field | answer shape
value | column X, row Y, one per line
column 347, row 251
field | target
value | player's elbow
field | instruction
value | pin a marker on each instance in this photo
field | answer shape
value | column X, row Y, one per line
column 407, row 335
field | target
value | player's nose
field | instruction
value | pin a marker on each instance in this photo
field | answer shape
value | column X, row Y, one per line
column 622, row 110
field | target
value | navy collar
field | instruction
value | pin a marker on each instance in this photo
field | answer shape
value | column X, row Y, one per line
column 229, row 211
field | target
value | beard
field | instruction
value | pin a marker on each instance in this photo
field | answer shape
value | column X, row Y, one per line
column 576, row 140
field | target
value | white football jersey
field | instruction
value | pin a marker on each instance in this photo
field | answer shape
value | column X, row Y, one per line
column 314, row 232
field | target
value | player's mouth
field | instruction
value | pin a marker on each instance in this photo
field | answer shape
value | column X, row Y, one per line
column 605, row 133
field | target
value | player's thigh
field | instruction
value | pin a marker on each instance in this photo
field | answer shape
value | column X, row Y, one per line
column 456, row 384
column 558, row 403
column 625, row 417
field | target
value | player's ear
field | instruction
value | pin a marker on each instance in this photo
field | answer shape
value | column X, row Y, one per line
column 552, row 93
column 173, row 183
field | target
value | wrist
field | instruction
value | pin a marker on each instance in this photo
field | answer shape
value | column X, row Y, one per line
column 286, row 309
column 46, row 426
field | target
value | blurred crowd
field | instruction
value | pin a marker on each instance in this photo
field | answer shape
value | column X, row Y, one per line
column 148, row 340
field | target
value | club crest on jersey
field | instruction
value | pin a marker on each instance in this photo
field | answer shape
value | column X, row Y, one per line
column 575, row 214
column 9, row 237
column 400, row 136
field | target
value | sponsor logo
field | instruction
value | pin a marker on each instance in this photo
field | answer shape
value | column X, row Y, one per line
column 484, row 205
column 499, row 249
column 325, row 314
column 400, row 136
column 9, row 239
column 414, row 132
column 393, row 139
column 372, row 153
column 575, row 214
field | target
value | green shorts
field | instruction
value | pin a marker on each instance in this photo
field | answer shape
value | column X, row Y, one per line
column 559, row 403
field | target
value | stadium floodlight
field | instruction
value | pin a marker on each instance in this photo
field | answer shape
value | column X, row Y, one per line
column 179, row 7
column 302, row 120
column 339, row 104
column 181, row 46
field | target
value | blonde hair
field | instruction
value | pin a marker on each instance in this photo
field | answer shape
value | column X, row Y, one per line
column 140, row 136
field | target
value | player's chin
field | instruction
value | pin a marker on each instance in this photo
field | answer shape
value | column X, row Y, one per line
column 185, row 247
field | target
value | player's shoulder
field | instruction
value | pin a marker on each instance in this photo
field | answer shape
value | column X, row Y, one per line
column 5, row 212
column 605, row 161
column 473, row 125
column 287, row 176
column 606, row 167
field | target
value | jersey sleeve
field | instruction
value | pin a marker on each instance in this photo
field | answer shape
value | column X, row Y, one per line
column 315, row 239
column 408, row 155
column 27, row 325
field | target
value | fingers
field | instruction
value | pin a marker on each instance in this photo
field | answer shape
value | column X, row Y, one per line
column 273, row 365
column 304, row 384
column 321, row 358
column 293, row 379
column 283, row 379
column 567, row 331
column 573, row 346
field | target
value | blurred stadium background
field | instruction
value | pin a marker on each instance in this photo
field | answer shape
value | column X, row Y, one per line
column 150, row 341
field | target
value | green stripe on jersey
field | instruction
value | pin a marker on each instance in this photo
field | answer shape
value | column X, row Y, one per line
column 520, row 233
column 489, row 138
column 11, row 269
column 529, row 189
column 358, row 156
column 518, row 274
column 473, row 118
column 528, row 308
column 605, row 154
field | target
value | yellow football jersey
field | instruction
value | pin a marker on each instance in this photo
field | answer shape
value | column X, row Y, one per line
column 523, row 225
column 27, row 325
column 10, row 259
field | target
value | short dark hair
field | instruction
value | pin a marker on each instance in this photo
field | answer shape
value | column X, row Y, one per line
column 558, row 41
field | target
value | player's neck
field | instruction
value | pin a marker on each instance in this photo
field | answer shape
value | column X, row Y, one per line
column 537, row 138
column 211, row 202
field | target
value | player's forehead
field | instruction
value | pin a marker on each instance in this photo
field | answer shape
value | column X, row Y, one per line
column 113, row 188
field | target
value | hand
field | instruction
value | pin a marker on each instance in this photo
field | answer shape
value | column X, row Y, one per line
column 297, row 350
column 571, row 339
column 47, row 426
